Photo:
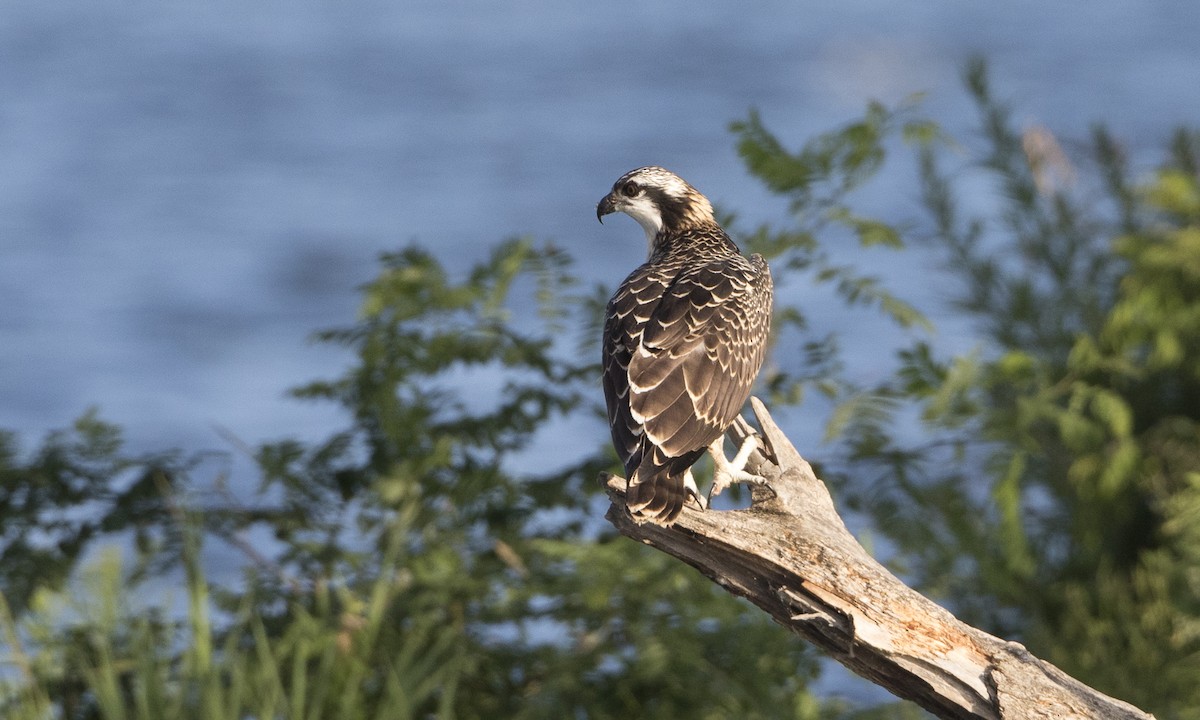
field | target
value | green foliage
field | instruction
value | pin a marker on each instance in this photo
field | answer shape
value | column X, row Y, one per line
column 820, row 181
column 1050, row 494
column 423, row 561
column 77, row 488
column 97, row 655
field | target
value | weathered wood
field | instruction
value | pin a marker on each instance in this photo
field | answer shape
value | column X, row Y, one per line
column 791, row 555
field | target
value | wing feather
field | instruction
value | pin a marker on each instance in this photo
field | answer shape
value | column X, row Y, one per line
column 683, row 342
column 693, row 369
column 627, row 313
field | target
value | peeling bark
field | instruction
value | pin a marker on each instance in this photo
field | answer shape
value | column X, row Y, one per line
column 791, row 555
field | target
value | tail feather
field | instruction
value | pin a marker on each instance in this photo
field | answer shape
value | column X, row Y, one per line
column 656, row 491
column 658, row 500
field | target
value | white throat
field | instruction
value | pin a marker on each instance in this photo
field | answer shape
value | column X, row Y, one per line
column 647, row 215
column 651, row 229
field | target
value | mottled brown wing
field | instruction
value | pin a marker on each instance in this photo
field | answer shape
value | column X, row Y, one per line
column 699, row 353
column 627, row 312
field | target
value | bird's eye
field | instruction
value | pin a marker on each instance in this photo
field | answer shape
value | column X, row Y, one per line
column 631, row 189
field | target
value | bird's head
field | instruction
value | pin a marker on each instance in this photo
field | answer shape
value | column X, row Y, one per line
column 659, row 200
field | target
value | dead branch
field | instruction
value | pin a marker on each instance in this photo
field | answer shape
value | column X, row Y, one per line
column 791, row 555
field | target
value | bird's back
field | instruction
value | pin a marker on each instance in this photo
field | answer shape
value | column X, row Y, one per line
column 685, row 336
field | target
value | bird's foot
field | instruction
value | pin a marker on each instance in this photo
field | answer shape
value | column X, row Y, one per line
column 693, row 492
column 727, row 472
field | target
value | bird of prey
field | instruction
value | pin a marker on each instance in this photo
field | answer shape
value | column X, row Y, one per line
column 684, row 338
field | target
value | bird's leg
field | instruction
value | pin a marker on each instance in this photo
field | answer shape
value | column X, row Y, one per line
column 689, row 486
column 727, row 472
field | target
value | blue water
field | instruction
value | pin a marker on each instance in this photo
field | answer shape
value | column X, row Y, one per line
column 190, row 189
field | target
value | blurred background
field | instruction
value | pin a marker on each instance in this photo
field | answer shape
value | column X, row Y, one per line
column 190, row 190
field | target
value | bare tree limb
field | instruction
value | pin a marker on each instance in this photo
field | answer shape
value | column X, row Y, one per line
column 791, row 555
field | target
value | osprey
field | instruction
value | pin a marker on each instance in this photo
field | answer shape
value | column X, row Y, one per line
column 684, row 338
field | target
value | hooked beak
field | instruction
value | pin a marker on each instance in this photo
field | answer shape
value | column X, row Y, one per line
column 608, row 204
